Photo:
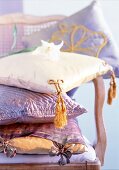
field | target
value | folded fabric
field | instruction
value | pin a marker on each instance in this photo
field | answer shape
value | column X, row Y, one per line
column 83, row 32
column 20, row 105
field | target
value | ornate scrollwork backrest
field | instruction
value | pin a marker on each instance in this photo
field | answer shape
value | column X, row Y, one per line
column 79, row 39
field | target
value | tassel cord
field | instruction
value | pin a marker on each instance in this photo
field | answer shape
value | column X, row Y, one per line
column 60, row 119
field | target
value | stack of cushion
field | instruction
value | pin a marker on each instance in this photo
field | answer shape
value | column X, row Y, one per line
column 26, row 123
column 33, row 87
column 28, row 102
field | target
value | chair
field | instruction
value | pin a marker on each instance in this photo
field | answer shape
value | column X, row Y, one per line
column 30, row 23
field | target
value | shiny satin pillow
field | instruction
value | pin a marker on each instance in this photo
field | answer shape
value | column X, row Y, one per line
column 36, row 145
column 31, row 145
column 33, row 72
column 20, row 105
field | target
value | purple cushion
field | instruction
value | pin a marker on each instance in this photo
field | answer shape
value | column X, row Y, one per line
column 69, row 134
column 92, row 18
column 20, row 105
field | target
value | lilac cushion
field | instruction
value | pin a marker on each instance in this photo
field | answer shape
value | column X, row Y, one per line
column 92, row 18
column 71, row 133
column 20, row 105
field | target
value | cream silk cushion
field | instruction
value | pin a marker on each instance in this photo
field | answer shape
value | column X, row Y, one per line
column 32, row 72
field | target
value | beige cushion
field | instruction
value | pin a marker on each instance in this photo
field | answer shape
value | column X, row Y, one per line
column 30, row 71
column 36, row 145
column 31, row 145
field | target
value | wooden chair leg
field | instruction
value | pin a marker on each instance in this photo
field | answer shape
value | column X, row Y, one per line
column 100, row 146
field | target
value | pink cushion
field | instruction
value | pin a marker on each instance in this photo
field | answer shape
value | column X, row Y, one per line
column 6, row 39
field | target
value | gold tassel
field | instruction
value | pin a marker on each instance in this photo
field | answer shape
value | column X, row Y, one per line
column 112, row 89
column 114, row 86
column 110, row 94
column 60, row 119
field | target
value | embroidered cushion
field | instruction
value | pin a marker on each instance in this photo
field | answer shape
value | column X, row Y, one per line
column 20, row 105
column 83, row 32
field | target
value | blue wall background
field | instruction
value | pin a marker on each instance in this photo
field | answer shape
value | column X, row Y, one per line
column 85, row 94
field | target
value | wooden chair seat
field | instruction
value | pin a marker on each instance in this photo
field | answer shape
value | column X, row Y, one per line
column 81, row 166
